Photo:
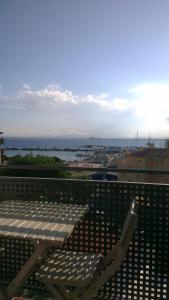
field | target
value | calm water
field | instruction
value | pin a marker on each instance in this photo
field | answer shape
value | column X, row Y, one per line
column 65, row 155
column 70, row 143
column 77, row 142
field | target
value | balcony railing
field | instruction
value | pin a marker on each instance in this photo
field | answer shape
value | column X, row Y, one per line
column 144, row 274
column 99, row 169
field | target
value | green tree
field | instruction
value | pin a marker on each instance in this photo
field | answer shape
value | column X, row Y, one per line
column 33, row 160
column 38, row 161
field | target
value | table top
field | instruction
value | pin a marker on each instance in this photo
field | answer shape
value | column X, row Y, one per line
column 37, row 220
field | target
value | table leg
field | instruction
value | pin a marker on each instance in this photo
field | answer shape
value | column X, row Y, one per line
column 26, row 271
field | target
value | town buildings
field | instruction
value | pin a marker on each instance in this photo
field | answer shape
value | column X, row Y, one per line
column 147, row 158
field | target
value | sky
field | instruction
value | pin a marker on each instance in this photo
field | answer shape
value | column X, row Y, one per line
column 84, row 68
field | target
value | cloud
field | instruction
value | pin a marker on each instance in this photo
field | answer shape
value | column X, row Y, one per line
column 150, row 105
column 108, row 104
column 53, row 96
column 51, row 92
column 145, row 109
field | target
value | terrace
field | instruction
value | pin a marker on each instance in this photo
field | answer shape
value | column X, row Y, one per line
column 144, row 273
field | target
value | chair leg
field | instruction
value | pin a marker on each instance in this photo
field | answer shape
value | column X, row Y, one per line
column 61, row 293
column 2, row 297
column 54, row 291
column 75, row 294
column 100, row 280
column 39, row 252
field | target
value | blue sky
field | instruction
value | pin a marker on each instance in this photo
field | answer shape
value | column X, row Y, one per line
column 85, row 68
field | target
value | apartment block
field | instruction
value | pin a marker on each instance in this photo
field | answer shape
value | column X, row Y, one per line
column 154, row 159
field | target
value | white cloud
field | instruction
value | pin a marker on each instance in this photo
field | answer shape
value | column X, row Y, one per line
column 53, row 96
column 51, row 92
column 150, row 105
column 145, row 109
column 107, row 103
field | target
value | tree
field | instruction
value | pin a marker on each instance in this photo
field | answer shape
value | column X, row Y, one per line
column 34, row 160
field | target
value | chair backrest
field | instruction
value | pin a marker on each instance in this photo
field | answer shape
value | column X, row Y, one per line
column 127, row 232
column 129, row 225
column 113, row 260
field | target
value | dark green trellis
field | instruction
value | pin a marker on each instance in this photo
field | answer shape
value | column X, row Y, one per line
column 144, row 272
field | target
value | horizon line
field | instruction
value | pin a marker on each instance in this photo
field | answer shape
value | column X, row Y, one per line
column 87, row 137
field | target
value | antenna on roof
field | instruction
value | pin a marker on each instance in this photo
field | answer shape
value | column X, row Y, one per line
column 150, row 144
column 149, row 139
column 137, row 139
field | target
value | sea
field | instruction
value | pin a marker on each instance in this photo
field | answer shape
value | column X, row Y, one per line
column 19, row 142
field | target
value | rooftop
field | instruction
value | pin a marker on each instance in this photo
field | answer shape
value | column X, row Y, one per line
column 146, row 152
